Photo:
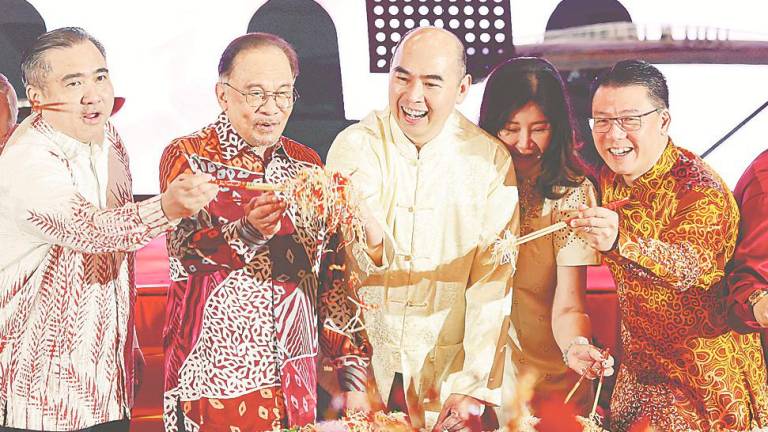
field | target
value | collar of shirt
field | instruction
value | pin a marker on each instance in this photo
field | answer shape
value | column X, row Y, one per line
column 70, row 147
column 433, row 148
column 89, row 163
column 659, row 169
column 232, row 144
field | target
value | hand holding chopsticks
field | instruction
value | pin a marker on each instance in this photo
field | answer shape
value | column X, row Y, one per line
column 613, row 206
column 601, row 366
column 599, row 226
column 505, row 248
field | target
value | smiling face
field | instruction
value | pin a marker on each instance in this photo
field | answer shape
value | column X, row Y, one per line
column 629, row 154
column 527, row 134
column 426, row 82
column 263, row 69
column 78, row 81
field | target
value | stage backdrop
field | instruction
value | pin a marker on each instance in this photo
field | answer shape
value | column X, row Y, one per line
column 163, row 54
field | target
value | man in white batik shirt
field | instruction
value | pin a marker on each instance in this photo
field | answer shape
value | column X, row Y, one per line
column 68, row 226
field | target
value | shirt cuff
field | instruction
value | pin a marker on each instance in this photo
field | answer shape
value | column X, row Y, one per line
column 250, row 235
column 469, row 384
column 152, row 215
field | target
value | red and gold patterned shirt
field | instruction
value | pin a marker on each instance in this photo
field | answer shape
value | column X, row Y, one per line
column 683, row 367
column 242, row 312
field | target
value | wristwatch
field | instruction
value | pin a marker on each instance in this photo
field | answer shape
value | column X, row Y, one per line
column 756, row 297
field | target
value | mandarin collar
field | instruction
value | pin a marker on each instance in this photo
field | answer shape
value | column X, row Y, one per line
column 71, row 147
column 659, row 169
column 430, row 149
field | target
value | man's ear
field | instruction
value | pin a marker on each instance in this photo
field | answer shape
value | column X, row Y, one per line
column 34, row 94
column 666, row 120
column 220, row 96
column 464, row 85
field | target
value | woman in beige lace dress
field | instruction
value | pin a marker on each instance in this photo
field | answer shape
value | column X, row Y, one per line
column 526, row 107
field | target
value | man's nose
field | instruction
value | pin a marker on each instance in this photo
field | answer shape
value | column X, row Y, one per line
column 415, row 91
column 615, row 131
column 91, row 94
column 269, row 106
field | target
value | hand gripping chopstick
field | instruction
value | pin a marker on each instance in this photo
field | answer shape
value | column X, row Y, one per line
column 615, row 205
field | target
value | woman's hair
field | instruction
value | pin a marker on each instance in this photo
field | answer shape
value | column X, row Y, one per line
column 518, row 81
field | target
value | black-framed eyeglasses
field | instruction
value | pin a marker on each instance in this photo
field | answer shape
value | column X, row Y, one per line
column 626, row 123
column 257, row 98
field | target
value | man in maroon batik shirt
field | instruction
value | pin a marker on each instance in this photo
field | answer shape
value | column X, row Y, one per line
column 748, row 270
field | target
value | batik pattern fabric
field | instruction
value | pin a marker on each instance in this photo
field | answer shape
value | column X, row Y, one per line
column 68, row 227
column 244, row 312
column 535, row 283
column 683, row 368
column 748, row 270
column 262, row 410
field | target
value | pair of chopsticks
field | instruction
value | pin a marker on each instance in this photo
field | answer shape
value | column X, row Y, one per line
column 564, row 224
column 599, row 385
column 236, row 184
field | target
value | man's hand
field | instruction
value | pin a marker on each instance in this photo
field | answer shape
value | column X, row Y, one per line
column 761, row 311
column 264, row 213
column 374, row 234
column 599, row 226
column 187, row 194
column 589, row 361
column 460, row 413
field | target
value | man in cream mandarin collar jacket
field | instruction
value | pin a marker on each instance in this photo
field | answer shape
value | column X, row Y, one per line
column 437, row 192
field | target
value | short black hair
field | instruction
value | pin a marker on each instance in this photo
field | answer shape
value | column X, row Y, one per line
column 34, row 68
column 256, row 40
column 635, row 72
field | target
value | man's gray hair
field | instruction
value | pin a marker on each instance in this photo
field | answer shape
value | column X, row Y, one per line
column 13, row 103
column 35, row 69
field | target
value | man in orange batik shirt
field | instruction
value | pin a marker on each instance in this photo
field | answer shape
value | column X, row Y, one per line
column 683, row 367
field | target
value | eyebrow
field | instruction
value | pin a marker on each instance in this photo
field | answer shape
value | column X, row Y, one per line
column 623, row 113
column 255, row 87
column 402, row 70
column 540, row 122
column 81, row 75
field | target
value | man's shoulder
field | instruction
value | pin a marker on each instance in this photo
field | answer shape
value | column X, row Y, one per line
column 754, row 181
column 691, row 172
column 361, row 139
column 758, row 167
column 29, row 153
column 195, row 141
column 300, row 151
column 474, row 136
column 27, row 141
column 372, row 127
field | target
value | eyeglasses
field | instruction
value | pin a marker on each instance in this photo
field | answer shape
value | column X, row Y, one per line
column 257, row 98
column 626, row 123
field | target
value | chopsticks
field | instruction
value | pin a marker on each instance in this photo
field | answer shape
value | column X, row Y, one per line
column 615, row 205
column 604, row 353
column 236, row 184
